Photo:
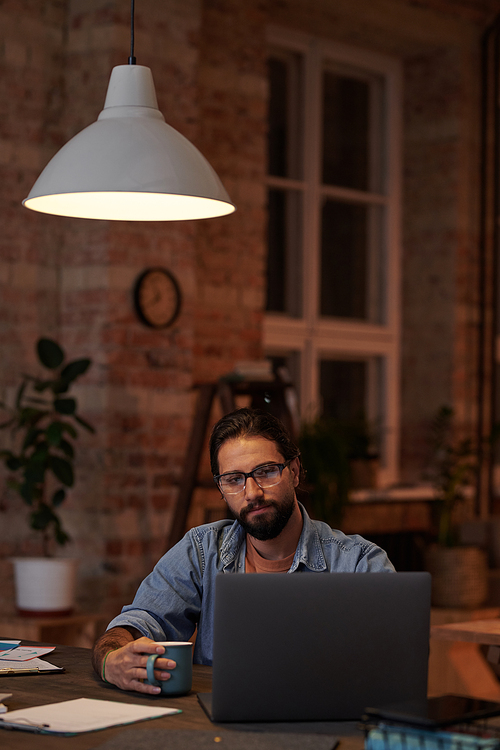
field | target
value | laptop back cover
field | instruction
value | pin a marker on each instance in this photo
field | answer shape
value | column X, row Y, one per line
column 318, row 646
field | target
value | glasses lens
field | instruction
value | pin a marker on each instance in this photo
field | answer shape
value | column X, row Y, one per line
column 230, row 484
column 268, row 475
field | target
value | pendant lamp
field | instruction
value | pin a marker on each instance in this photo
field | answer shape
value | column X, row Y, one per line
column 130, row 165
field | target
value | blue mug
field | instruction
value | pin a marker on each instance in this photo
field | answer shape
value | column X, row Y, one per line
column 181, row 678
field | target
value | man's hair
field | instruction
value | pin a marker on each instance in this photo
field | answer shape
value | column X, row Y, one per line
column 250, row 423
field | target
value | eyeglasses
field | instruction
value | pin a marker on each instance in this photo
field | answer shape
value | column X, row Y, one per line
column 235, row 481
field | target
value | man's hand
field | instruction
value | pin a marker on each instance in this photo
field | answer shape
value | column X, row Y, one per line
column 121, row 660
column 126, row 666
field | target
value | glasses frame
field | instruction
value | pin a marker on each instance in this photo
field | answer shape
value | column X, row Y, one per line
column 217, row 477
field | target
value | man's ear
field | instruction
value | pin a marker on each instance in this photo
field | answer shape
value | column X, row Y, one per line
column 295, row 469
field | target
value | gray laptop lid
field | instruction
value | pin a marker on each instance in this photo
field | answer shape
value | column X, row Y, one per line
column 318, row 646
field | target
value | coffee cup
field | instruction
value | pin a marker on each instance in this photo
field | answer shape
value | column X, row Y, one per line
column 181, row 678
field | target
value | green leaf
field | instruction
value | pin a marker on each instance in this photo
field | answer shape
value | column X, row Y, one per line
column 61, row 537
column 69, row 428
column 74, row 369
column 85, row 424
column 58, row 498
column 62, row 470
column 40, row 454
column 34, row 473
column 31, row 437
column 60, row 386
column 42, row 516
column 50, row 353
column 67, row 448
column 65, row 405
column 54, row 433
column 28, row 492
column 13, row 463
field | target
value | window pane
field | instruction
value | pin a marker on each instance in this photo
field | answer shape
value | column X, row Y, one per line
column 343, row 389
column 284, row 254
column 352, row 131
column 284, row 118
column 352, row 393
column 351, row 261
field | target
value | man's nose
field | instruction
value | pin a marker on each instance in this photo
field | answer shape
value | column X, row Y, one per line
column 252, row 489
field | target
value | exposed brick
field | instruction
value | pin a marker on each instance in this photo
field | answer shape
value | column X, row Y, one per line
column 73, row 279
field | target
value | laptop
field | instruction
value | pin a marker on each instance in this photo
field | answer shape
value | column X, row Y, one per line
column 317, row 646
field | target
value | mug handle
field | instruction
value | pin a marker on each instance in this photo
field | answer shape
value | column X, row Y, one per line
column 150, row 667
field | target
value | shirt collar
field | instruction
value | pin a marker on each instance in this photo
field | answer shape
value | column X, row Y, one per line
column 309, row 550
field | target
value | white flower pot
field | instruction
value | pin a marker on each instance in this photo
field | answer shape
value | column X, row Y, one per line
column 45, row 586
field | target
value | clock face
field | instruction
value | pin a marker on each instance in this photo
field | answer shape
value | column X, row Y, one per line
column 157, row 297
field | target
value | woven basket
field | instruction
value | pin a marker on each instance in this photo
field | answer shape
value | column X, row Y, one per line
column 459, row 576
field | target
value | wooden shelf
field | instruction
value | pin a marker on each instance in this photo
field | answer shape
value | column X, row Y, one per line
column 74, row 630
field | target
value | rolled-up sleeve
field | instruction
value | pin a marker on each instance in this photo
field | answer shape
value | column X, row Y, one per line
column 168, row 602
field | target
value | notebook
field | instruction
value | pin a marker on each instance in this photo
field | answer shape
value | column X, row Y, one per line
column 317, row 646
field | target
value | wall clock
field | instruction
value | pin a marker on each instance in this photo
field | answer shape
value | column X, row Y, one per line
column 157, row 297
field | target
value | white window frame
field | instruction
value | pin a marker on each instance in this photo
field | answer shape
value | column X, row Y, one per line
column 314, row 337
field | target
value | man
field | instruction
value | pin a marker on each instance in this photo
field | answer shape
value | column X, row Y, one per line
column 257, row 469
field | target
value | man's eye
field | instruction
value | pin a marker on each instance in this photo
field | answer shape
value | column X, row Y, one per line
column 233, row 479
column 265, row 472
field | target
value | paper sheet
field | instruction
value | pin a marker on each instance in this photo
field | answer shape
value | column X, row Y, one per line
column 25, row 653
column 81, row 715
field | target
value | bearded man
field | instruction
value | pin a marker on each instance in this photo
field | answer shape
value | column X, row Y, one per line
column 257, row 468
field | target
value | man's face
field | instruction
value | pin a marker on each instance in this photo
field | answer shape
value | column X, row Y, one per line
column 263, row 513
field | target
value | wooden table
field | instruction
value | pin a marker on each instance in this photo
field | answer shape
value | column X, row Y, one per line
column 79, row 680
column 486, row 632
column 477, row 672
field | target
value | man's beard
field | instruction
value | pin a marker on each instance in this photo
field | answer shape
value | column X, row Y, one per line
column 270, row 525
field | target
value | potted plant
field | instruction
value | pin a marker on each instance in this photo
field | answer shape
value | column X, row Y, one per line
column 325, row 455
column 363, row 454
column 459, row 572
column 43, row 424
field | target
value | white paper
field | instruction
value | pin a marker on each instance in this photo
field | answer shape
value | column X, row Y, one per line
column 17, row 665
column 82, row 715
column 26, row 653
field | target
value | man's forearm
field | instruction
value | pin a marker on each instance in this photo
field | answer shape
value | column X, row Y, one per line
column 109, row 641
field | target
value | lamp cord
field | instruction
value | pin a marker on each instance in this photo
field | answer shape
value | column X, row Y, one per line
column 131, row 60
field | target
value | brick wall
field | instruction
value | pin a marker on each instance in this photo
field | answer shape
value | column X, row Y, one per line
column 73, row 279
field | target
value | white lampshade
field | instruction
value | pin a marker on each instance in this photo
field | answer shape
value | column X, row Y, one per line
column 130, row 165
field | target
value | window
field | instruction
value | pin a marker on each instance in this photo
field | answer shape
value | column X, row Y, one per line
column 332, row 311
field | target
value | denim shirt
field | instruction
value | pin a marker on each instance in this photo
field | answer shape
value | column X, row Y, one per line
column 178, row 595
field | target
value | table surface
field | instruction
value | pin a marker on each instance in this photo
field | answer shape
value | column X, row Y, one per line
column 79, row 680
column 486, row 632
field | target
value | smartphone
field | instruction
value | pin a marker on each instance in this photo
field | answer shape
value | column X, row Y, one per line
column 442, row 711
